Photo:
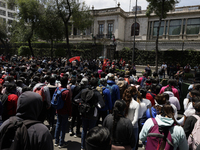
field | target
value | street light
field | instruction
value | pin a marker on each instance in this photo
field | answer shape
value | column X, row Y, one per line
column 134, row 34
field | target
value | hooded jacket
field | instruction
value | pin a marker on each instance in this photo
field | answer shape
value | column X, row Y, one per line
column 177, row 132
column 115, row 93
column 173, row 99
column 29, row 106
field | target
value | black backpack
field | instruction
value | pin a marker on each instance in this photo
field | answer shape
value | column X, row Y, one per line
column 14, row 135
column 88, row 102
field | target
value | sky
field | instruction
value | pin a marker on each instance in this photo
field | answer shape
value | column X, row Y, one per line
column 124, row 4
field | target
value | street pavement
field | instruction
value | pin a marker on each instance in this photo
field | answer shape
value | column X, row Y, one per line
column 72, row 143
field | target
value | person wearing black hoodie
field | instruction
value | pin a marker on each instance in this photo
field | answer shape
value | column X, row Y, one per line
column 29, row 106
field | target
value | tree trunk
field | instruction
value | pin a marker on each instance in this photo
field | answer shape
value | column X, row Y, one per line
column 68, row 51
column 31, row 49
column 51, row 49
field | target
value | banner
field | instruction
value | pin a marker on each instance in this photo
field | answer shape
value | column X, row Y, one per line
column 74, row 58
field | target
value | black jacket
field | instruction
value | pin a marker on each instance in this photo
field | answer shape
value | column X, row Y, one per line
column 29, row 106
column 124, row 131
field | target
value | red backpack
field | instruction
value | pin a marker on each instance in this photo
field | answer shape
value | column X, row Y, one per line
column 40, row 91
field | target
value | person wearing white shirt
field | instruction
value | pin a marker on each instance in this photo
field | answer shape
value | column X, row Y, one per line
column 132, row 110
column 165, row 67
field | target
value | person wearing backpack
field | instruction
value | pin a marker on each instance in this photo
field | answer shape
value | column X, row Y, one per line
column 33, row 134
column 191, row 128
column 142, row 79
column 163, row 132
column 75, row 113
column 63, row 113
column 43, row 90
column 191, row 120
column 103, row 112
column 9, row 101
column 113, row 88
column 92, row 100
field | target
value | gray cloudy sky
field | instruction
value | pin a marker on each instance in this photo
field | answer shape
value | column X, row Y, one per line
column 100, row 4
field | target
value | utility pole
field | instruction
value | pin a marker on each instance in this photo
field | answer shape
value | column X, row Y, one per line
column 134, row 33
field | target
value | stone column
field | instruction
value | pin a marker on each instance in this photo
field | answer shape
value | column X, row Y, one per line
column 181, row 32
column 199, row 34
column 163, row 37
column 105, row 28
column 185, row 32
column 167, row 35
column 149, row 29
column 152, row 30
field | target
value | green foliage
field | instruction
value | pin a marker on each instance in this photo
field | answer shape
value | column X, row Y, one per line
column 81, row 15
column 24, row 51
column 160, row 7
column 188, row 75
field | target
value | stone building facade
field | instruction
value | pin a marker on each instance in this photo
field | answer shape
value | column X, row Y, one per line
column 179, row 31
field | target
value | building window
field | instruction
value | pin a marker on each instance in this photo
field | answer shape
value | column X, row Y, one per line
column 193, row 26
column 155, row 28
column 11, row 7
column 137, row 29
column 11, row 15
column 110, row 28
column 101, row 28
column 10, row 21
column 2, row 4
column 2, row 12
column 2, row 19
column 175, row 27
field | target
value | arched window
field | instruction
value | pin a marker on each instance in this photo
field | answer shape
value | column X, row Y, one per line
column 137, row 29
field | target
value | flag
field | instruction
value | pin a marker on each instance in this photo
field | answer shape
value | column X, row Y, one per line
column 104, row 65
column 74, row 58
column 120, row 61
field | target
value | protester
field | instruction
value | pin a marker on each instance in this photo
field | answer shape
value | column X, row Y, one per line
column 29, row 106
column 121, row 129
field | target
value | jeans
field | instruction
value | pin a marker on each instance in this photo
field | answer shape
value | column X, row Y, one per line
column 75, row 115
column 61, row 126
column 135, row 131
column 86, row 124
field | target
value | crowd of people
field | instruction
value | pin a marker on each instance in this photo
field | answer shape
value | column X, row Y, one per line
column 114, row 107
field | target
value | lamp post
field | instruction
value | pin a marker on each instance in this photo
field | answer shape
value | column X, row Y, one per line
column 134, row 33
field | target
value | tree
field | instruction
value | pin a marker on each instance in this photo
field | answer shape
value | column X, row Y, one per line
column 160, row 8
column 3, row 33
column 80, row 14
column 51, row 26
column 29, row 15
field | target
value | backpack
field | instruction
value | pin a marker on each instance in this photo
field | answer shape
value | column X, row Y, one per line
column 40, row 91
column 101, row 89
column 142, row 82
column 127, row 80
column 57, row 101
column 122, row 87
column 194, row 138
column 159, row 138
column 88, row 102
column 14, row 135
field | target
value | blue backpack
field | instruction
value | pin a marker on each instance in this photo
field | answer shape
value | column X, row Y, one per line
column 142, row 82
column 57, row 101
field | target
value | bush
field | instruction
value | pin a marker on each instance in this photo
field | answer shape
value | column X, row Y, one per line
column 24, row 51
column 188, row 75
